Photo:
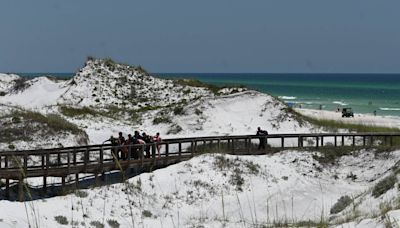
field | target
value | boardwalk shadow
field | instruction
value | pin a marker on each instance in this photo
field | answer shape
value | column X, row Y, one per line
column 87, row 182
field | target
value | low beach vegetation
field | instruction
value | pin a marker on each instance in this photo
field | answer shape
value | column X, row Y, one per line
column 53, row 121
column 384, row 185
column 78, row 111
column 196, row 83
column 341, row 204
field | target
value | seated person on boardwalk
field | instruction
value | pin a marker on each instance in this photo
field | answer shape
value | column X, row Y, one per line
column 262, row 139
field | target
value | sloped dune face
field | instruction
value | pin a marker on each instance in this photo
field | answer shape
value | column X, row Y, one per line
column 7, row 81
column 35, row 93
column 239, row 113
column 104, row 83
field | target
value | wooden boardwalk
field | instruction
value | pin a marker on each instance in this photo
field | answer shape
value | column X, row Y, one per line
column 99, row 160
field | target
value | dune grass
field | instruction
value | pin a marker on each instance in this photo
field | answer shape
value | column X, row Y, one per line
column 53, row 121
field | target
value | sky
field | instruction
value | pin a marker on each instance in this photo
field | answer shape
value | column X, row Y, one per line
column 208, row 36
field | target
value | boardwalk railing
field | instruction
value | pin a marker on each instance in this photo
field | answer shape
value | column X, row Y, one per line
column 100, row 159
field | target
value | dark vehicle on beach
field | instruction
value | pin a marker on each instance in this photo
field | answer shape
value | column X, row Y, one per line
column 347, row 112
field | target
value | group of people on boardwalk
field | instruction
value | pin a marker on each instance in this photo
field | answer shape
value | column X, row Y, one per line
column 121, row 146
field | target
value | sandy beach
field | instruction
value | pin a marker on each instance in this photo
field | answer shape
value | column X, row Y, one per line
column 366, row 119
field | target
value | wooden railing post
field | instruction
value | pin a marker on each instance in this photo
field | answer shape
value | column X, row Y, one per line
column 233, row 146
column 76, row 174
column 142, row 155
column 391, row 140
column 166, row 151
column 322, row 141
column 317, row 142
column 363, row 140
column 58, row 159
column 7, row 180
column 25, row 165
column 354, row 141
column 248, row 145
column 192, row 148
column 372, row 140
column 342, row 140
column 180, row 151
column 153, row 153
column 129, row 152
column 21, row 193
column 282, row 142
column 335, row 141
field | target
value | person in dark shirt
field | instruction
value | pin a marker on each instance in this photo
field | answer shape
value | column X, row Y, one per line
column 262, row 139
column 114, row 143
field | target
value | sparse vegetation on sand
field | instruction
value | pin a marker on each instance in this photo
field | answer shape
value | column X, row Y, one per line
column 197, row 83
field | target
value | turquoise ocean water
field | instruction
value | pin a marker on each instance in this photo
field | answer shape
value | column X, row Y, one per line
column 365, row 93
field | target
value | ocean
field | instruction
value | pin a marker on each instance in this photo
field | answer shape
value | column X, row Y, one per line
column 365, row 93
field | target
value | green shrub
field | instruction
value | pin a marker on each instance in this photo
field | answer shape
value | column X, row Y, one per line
column 11, row 147
column 384, row 185
column 61, row 219
column 2, row 93
column 113, row 223
column 341, row 204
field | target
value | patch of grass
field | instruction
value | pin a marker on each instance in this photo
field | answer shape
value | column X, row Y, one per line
column 196, row 83
column 320, row 224
column 20, row 84
column 97, row 224
column 178, row 110
column 81, row 194
column 72, row 112
column 113, row 223
column 236, row 179
column 384, row 185
column 61, row 219
column 174, row 129
column 161, row 119
column 329, row 155
column 147, row 213
column 53, row 121
column 198, row 112
column 341, row 204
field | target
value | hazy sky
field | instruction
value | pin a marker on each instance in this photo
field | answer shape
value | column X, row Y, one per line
column 202, row 36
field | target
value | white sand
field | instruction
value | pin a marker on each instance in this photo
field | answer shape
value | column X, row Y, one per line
column 366, row 119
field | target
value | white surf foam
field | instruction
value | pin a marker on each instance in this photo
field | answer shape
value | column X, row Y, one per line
column 390, row 109
column 288, row 98
column 340, row 103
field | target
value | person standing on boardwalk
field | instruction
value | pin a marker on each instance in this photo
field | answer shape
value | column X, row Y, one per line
column 262, row 134
column 157, row 140
column 114, row 143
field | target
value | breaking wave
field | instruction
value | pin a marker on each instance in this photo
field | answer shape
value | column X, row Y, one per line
column 288, row 98
column 340, row 103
